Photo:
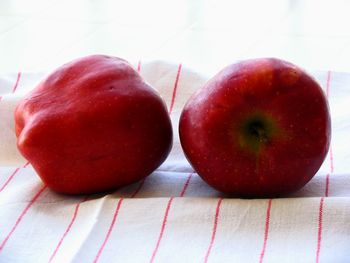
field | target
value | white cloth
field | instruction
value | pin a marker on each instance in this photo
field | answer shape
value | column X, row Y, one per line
column 173, row 216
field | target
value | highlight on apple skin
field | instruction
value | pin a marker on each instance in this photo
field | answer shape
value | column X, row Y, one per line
column 93, row 125
column 259, row 128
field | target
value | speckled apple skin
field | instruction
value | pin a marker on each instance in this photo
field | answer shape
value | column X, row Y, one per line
column 93, row 125
column 282, row 92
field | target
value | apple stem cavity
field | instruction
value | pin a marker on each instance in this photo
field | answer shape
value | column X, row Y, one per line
column 256, row 131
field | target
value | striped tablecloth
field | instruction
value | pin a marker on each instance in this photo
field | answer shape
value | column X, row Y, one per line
column 172, row 215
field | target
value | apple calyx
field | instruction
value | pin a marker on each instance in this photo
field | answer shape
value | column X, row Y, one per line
column 256, row 131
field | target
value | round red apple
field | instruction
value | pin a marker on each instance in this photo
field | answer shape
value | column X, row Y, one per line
column 93, row 125
column 259, row 128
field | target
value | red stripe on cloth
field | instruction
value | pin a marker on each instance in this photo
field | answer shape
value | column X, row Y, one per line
column 319, row 234
column 21, row 216
column 328, row 84
column 216, row 220
column 25, row 165
column 327, row 185
column 17, row 81
column 175, row 89
column 138, row 189
column 139, row 66
column 331, row 158
column 11, row 176
column 109, row 230
column 186, row 185
column 162, row 229
column 266, row 234
column 9, row 179
column 68, row 229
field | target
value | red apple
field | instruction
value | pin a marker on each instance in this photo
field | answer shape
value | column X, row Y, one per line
column 259, row 128
column 93, row 125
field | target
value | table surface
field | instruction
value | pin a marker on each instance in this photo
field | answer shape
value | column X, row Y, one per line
column 39, row 35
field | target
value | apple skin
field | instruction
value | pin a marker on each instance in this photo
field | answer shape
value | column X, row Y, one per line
column 93, row 125
column 259, row 128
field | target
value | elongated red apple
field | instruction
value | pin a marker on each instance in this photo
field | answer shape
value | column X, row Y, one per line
column 259, row 128
column 93, row 125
